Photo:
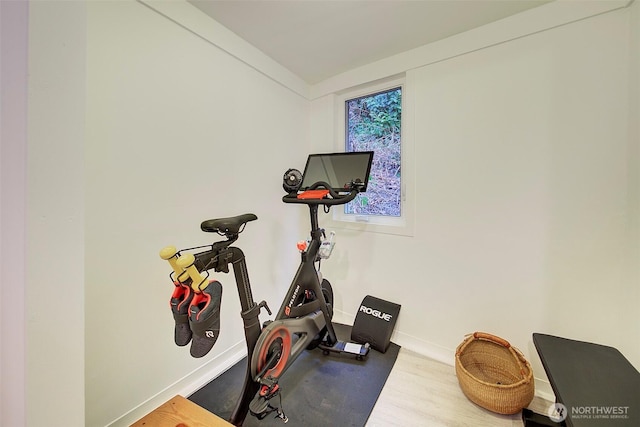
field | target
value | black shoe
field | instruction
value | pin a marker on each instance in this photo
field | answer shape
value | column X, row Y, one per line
column 204, row 318
column 179, row 302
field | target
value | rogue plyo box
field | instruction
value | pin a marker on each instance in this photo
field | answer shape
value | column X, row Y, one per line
column 374, row 322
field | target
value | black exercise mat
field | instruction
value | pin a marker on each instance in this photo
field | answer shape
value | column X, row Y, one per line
column 317, row 391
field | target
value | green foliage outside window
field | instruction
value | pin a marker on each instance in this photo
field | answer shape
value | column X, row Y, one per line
column 373, row 124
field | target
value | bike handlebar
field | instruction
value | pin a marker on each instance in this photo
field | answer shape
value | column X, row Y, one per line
column 335, row 199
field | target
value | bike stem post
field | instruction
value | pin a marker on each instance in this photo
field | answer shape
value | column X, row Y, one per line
column 316, row 234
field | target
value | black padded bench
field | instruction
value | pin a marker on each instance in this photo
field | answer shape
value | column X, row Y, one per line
column 598, row 386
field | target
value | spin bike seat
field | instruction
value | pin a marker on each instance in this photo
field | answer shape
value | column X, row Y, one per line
column 231, row 225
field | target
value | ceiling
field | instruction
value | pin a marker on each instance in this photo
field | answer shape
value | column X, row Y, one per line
column 317, row 39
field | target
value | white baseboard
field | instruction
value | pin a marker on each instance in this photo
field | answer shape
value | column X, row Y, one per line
column 187, row 385
column 544, row 390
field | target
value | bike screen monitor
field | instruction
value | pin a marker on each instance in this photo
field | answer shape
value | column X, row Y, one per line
column 339, row 170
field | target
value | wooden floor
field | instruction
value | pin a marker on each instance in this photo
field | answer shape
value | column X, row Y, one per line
column 424, row 392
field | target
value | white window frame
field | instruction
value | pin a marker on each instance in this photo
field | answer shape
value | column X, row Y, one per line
column 404, row 224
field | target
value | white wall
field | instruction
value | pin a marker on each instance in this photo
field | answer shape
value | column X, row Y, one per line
column 55, row 219
column 525, row 197
column 178, row 132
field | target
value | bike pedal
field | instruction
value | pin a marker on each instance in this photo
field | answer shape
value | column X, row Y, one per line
column 259, row 407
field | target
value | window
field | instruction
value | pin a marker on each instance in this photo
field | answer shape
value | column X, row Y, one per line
column 376, row 119
column 373, row 123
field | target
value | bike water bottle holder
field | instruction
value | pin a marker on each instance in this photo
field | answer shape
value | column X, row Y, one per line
column 326, row 247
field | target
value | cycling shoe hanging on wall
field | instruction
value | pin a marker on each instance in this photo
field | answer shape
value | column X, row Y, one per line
column 195, row 303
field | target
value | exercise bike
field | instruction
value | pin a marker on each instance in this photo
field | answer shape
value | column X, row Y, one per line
column 303, row 320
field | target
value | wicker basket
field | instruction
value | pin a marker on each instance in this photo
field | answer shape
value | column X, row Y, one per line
column 493, row 374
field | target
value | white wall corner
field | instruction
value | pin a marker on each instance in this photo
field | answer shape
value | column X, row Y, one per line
column 14, row 23
column 197, row 22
